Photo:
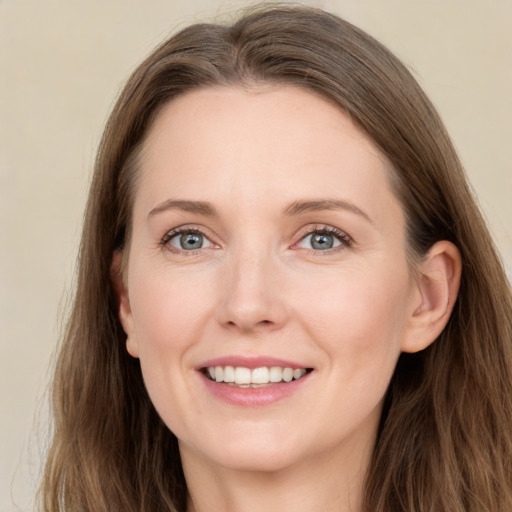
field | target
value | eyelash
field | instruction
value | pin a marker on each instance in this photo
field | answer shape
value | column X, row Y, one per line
column 344, row 239
column 164, row 243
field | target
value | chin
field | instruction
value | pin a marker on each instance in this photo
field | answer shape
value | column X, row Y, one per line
column 257, row 461
column 249, row 455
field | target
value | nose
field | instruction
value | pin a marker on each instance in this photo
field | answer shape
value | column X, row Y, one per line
column 252, row 296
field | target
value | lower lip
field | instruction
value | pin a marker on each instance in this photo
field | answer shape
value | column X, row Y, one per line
column 254, row 397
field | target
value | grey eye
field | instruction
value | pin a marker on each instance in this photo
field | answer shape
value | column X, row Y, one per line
column 188, row 241
column 320, row 241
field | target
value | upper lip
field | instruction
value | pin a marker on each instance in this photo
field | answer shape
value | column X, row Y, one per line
column 251, row 362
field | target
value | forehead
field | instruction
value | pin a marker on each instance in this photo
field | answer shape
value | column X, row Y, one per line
column 279, row 140
column 296, row 114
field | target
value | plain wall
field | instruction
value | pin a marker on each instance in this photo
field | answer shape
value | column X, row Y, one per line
column 62, row 63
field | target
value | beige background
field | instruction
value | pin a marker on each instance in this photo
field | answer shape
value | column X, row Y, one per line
column 61, row 66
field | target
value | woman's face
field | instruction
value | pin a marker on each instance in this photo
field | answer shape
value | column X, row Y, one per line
column 266, row 237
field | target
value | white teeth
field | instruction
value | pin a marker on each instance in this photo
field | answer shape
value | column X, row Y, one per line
column 242, row 375
column 287, row 374
column 246, row 377
column 260, row 376
column 297, row 373
column 229, row 374
column 276, row 374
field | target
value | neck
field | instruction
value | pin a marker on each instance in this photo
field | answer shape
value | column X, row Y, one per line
column 319, row 484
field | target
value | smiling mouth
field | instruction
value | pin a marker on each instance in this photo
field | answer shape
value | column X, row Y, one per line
column 239, row 376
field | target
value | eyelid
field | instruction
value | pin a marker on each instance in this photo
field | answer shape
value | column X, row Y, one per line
column 344, row 238
column 186, row 228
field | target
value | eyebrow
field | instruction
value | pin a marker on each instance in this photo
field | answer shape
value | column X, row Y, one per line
column 298, row 207
column 199, row 207
column 295, row 208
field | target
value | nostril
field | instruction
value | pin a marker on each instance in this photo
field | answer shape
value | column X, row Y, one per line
column 261, row 322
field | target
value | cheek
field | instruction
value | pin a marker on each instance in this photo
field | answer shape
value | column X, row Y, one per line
column 359, row 318
column 359, row 324
column 167, row 312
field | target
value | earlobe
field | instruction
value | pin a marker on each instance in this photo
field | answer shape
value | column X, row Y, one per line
column 437, row 285
column 123, row 304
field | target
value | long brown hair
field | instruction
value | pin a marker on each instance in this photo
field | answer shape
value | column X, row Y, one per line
column 445, row 438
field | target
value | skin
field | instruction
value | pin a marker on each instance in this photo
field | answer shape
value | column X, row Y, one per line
column 257, row 287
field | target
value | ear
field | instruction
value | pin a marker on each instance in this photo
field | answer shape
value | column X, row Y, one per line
column 123, row 304
column 437, row 285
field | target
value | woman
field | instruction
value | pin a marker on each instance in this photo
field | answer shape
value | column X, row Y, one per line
column 286, row 296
